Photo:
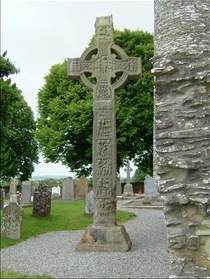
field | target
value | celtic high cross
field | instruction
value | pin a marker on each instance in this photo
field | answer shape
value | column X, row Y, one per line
column 128, row 170
column 111, row 67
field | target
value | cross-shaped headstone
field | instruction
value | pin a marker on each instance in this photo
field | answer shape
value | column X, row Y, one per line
column 128, row 170
column 13, row 189
column 111, row 68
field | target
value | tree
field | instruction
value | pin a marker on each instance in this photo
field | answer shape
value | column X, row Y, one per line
column 19, row 149
column 65, row 120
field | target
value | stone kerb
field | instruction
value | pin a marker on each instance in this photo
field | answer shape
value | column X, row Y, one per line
column 12, row 217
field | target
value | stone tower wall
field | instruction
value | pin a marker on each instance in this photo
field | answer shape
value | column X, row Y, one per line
column 182, row 131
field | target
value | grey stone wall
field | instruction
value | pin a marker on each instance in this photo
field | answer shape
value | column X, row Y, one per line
column 182, row 131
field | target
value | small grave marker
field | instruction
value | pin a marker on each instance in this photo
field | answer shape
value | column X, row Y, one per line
column 12, row 221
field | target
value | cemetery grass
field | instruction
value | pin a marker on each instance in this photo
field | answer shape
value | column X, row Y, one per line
column 10, row 274
column 65, row 215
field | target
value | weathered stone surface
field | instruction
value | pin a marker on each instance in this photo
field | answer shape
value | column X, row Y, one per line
column 99, row 61
column 42, row 201
column 182, row 113
column 13, row 190
column 12, row 217
column 68, row 191
column 105, row 239
column 128, row 187
column 119, row 188
column 82, row 187
column 89, row 206
column 26, row 192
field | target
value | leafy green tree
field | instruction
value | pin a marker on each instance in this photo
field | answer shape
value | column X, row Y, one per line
column 65, row 120
column 19, row 149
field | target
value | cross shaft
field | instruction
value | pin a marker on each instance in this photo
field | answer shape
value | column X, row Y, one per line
column 111, row 67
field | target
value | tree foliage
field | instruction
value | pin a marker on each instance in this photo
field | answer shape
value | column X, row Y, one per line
column 65, row 120
column 19, row 149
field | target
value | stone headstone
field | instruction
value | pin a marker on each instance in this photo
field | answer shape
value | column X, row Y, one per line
column 82, row 187
column 68, row 192
column 149, row 186
column 26, row 192
column 100, row 61
column 42, row 201
column 1, row 199
column 89, row 207
column 128, row 188
column 12, row 217
column 119, row 188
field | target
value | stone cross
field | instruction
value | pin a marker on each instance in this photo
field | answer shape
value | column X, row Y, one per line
column 13, row 189
column 110, row 66
column 128, row 170
column 101, row 63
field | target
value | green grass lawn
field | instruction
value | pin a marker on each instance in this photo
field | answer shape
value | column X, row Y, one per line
column 65, row 215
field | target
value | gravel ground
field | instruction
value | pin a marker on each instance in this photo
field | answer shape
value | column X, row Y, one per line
column 53, row 253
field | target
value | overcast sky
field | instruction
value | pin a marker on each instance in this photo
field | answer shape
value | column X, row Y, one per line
column 39, row 34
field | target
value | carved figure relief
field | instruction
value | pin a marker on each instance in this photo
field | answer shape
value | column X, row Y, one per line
column 105, row 206
column 104, row 182
column 103, row 127
column 103, row 148
column 104, row 167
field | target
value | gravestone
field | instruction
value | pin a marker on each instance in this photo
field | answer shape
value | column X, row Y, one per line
column 128, row 188
column 56, row 192
column 12, row 217
column 82, row 187
column 68, row 192
column 42, row 201
column 89, row 206
column 1, row 199
column 26, row 192
column 100, row 62
column 119, row 188
column 150, row 186
column 13, row 190
column 181, row 68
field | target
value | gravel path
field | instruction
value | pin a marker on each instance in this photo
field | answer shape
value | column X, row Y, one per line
column 53, row 253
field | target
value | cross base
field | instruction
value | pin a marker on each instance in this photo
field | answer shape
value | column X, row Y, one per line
column 104, row 239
